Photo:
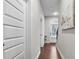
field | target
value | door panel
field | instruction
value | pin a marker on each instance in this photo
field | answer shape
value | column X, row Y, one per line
column 13, row 27
column 20, row 56
column 12, row 21
column 13, row 52
column 9, row 10
column 13, row 42
column 16, row 4
column 12, row 32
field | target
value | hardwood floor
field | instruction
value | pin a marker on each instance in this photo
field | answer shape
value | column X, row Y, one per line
column 49, row 51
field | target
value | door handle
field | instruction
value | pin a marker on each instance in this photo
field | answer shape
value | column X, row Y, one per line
column 3, row 44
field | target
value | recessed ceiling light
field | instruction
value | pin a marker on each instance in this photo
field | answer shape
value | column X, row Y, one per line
column 55, row 13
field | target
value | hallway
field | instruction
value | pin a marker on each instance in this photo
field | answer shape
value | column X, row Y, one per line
column 38, row 29
column 49, row 51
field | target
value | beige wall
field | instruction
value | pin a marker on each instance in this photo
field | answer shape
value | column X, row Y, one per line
column 66, row 39
column 66, row 44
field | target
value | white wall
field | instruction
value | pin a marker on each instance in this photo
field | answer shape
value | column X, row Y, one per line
column 66, row 39
column 67, row 44
column 36, row 13
column 32, row 33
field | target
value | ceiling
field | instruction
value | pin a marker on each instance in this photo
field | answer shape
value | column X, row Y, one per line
column 50, row 6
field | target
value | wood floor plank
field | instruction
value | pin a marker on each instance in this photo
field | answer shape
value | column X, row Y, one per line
column 49, row 51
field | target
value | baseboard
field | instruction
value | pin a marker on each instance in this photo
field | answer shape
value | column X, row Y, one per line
column 62, row 57
column 38, row 55
column 50, row 41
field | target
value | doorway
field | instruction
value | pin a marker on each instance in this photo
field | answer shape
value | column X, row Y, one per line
column 42, row 31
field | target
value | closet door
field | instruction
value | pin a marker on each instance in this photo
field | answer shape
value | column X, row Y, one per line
column 13, row 29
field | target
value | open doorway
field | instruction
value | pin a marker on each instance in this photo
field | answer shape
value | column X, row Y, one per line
column 53, row 32
column 51, row 26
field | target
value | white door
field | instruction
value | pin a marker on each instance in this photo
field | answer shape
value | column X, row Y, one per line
column 13, row 25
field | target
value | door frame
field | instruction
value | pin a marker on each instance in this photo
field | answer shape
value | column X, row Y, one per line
column 27, row 29
column 42, row 26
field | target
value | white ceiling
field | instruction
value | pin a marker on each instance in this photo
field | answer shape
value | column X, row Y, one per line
column 50, row 6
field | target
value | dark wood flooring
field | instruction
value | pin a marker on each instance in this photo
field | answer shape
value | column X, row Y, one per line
column 49, row 51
